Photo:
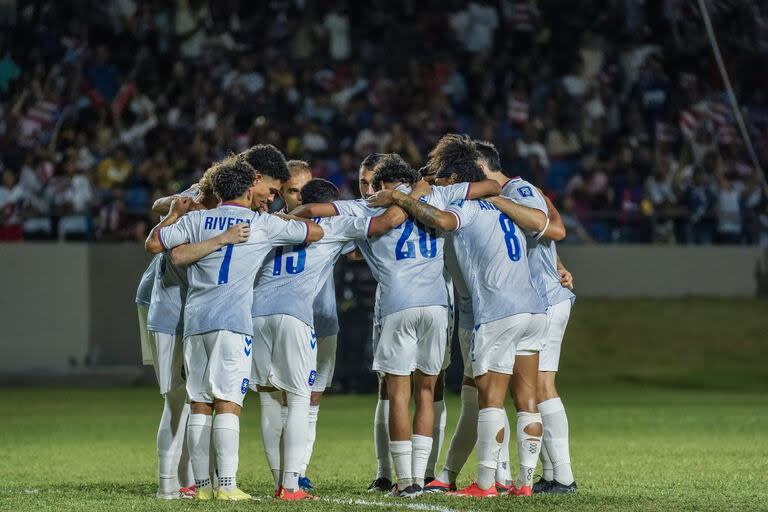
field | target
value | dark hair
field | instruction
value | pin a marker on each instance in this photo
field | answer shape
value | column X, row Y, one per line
column 318, row 190
column 452, row 148
column 489, row 153
column 427, row 170
column 466, row 171
column 371, row 160
column 392, row 168
column 233, row 179
column 267, row 160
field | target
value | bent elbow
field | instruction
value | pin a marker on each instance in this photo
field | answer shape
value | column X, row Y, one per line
column 555, row 233
column 314, row 233
column 495, row 188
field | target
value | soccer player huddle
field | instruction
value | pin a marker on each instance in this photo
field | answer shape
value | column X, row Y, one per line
column 237, row 298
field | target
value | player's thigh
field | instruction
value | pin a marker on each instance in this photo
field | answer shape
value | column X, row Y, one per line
column 465, row 341
column 229, row 365
column 294, row 356
column 326, row 362
column 494, row 344
column 431, row 339
column 196, row 369
column 167, row 359
column 448, row 338
column 264, row 331
column 557, row 322
column 532, row 339
column 396, row 351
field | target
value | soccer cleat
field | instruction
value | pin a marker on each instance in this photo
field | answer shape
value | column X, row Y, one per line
column 305, row 483
column 188, row 492
column 557, row 488
column 502, row 488
column 234, row 495
column 474, row 491
column 170, row 496
column 525, row 490
column 541, row 485
column 381, row 484
column 204, row 494
column 297, row 495
column 412, row 491
column 428, row 479
column 438, row 486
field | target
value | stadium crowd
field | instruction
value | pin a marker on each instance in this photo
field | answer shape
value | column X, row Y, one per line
column 105, row 106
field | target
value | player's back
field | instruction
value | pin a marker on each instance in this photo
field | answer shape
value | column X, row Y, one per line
column 292, row 275
column 168, row 297
column 542, row 253
column 221, row 284
column 491, row 252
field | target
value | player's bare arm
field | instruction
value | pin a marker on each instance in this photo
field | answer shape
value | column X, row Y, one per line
column 190, row 253
column 529, row 219
column 179, row 207
column 314, row 231
column 566, row 278
column 387, row 221
column 424, row 213
column 484, row 188
column 309, row 211
column 556, row 229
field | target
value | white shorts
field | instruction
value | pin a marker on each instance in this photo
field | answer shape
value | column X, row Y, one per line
column 533, row 340
column 146, row 349
column 494, row 343
column 218, row 364
column 168, row 360
column 284, row 354
column 326, row 363
column 465, row 342
column 557, row 321
column 448, row 340
column 412, row 339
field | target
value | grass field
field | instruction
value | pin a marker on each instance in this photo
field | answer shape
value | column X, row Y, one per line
column 667, row 404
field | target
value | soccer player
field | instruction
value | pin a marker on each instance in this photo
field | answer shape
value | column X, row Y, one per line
column 217, row 321
column 491, row 253
column 159, row 299
column 285, row 343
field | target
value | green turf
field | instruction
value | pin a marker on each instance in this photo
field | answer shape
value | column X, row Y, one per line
column 666, row 402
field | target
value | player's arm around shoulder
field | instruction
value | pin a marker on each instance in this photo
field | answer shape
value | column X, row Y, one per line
column 529, row 219
column 484, row 188
column 187, row 254
column 314, row 210
column 556, row 229
column 154, row 243
column 313, row 230
column 426, row 213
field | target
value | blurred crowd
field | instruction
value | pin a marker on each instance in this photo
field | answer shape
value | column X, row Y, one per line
column 615, row 108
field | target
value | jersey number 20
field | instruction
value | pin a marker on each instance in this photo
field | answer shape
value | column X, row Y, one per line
column 405, row 248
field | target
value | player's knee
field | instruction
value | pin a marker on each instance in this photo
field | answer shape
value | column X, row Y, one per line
column 201, row 408
column 535, row 429
column 315, row 398
column 226, row 407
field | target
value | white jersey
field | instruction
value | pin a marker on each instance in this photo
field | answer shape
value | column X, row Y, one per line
column 463, row 297
column 292, row 276
column 407, row 262
column 147, row 281
column 491, row 252
column 221, row 284
column 542, row 253
column 169, row 293
column 326, row 320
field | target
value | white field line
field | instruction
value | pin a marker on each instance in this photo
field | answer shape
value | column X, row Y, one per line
column 400, row 504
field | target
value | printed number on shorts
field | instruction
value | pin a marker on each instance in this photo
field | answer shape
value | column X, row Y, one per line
column 513, row 244
column 294, row 264
column 406, row 249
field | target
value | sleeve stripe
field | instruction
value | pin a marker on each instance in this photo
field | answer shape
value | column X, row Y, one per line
column 306, row 236
column 458, row 220
column 368, row 222
column 160, row 238
column 469, row 186
column 335, row 208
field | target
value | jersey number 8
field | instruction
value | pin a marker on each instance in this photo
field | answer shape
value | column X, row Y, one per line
column 513, row 244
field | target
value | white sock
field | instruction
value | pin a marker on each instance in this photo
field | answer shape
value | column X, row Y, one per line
column 199, row 441
column 490, row 421
column 212, row 470
column 464, row 438
column 420, row 448
column 503, row 473
column 402, row 457
column 295, row 439
column 528, row 447
column 314, row 411
column 546, row 463
column 381, row 439
column 556, row 439
column 184, row 472
column 272, row 430
column 226, row 437
column 170, row 441
column 438, row 434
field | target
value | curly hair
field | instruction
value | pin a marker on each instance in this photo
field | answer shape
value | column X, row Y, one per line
column 465, row 169
column 233, row 178
column 205, row 183
column 318, row 190
column 392, row 168
column 267, row 160
column 451, row 148
column 371, row 160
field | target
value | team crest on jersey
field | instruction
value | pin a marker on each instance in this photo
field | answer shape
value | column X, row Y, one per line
column 525, row 191
column 312, row 376
column 244, row 386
